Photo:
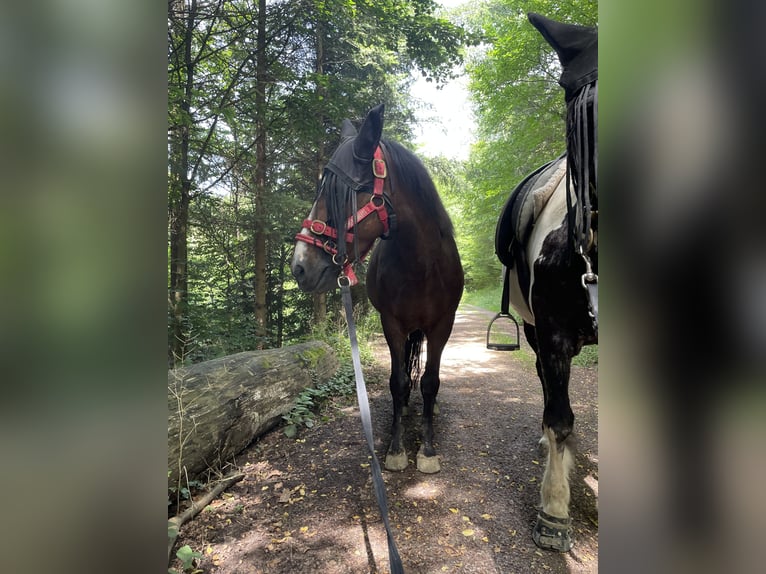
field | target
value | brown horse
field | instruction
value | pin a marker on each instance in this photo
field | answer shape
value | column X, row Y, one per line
column 414, row 280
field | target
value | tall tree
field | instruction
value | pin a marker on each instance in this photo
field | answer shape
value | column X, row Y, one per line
column 201, row 86
column 260, row 176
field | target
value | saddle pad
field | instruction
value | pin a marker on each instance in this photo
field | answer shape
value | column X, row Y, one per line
column 524, row 206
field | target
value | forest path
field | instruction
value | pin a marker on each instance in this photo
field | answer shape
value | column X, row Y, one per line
column 307, row 504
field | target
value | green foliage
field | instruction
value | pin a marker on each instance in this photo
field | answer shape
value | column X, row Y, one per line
column 588, row 357
column 334, row 332
column 185, row 491
column 303, row 412
column 486, row 298
column 187, row 557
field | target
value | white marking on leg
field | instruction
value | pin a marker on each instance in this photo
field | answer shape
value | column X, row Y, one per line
column 554, row 491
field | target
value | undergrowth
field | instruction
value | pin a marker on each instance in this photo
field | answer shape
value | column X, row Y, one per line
column 343, row 383
column 304, row 412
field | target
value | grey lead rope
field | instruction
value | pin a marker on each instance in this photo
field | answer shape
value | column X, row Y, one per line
column 395, row 562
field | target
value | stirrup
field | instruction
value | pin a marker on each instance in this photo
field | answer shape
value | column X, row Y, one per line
column 497, row 346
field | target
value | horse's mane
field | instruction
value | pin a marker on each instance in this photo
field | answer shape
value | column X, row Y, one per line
column 413, row 176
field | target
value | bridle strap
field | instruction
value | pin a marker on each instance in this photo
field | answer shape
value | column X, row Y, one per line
column 579, row 131
column 378, row 204
column 579, row 176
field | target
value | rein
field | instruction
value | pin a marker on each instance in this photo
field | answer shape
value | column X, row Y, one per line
column 378, row 204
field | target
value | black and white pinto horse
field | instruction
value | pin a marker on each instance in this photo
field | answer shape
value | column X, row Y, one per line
column 547, row 238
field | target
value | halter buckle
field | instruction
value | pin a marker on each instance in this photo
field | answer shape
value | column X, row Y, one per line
column 339, row 263
column 379, row 168
column 318, row 227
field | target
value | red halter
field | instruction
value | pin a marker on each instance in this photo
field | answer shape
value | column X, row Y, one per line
column 377, row 204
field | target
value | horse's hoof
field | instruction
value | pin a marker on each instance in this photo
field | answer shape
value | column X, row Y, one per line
column 428, row 464
column 396, row 461
column 552, row 532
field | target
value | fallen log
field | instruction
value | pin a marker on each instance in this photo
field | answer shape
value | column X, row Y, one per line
column 216, row 408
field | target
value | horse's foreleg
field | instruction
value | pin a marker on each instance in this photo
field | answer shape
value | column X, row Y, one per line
column 396, row 458
column 531, row 335
column 554, row 360
column 554, row 355
column 552, row 530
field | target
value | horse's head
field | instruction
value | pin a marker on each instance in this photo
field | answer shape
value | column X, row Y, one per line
column 353, row 177
column 577, row 49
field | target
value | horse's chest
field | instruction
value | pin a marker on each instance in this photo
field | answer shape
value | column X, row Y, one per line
column 414, row 283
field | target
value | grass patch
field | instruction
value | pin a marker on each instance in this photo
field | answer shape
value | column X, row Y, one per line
column 588, row 357
column 310, row 400
column 489, row 298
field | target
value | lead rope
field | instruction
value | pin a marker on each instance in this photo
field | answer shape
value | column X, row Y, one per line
column 394, row 561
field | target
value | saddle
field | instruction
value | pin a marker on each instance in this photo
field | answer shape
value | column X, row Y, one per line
column 520, row 213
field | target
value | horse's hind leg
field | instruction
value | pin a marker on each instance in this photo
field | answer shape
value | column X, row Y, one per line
column 408, row 351
column 427, row 459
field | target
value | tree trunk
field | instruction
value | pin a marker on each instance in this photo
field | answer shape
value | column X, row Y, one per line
column 179, row 279
column 216, row 408
column 180, row 193
column 261, row 315
column 320, row 299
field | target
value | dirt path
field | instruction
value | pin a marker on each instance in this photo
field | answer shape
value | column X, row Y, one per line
column 307, row 504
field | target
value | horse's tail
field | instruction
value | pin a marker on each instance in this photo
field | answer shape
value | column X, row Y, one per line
column 412, row 351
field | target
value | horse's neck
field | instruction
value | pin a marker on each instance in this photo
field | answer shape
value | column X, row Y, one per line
column 418, row 232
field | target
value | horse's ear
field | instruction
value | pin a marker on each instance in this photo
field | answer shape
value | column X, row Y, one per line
column 369, row 134
column 568, row 40
column 347, row 130
column 576, row 47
